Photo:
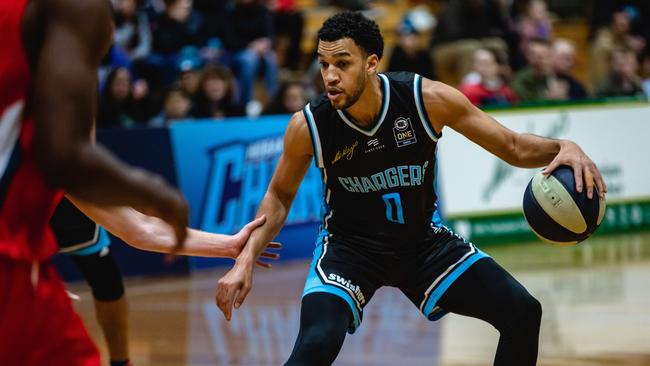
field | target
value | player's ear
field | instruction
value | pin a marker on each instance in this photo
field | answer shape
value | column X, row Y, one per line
column 372, row 63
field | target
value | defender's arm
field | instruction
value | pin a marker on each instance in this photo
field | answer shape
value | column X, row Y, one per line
column 152, row 234
column 76, row 36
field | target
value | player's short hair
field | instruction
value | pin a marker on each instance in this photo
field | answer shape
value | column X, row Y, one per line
column 351, row 24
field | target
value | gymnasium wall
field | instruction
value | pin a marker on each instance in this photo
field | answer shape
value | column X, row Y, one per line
column 223, row 168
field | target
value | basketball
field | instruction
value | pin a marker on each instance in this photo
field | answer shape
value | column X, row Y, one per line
column 557, row 213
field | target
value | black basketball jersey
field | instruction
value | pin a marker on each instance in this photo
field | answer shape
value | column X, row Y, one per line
column 379, row 182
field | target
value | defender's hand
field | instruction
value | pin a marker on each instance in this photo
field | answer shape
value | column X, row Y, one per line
column 584, row 168
column 239, row 242
column 233, row 288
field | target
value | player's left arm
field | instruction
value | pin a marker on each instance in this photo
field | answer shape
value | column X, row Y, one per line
column 153, row 234
column 446, row 106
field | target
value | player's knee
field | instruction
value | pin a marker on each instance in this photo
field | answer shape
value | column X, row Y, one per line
column 103, row 276
column 525, row 316
column 317, row 345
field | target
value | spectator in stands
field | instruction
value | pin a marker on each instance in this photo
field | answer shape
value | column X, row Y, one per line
column 132, row 31
column 538, row 81
column 465, row 26
column 410, row 54
column 176, row 106
column 216, row 95
column 288, row 21
column 247, row 39
column 490, row 88
column 535, row 23
column 645, row 71
column 291, row 98
column 117, row 107
column 189, row 65
column 564, row 58
column 617, row 35
column 178, row 27
column 623, row 78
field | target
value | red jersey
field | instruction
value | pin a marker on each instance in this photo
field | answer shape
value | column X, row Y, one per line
column 26, row 203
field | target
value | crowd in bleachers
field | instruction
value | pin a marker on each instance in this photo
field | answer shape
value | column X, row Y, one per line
column 178, row 59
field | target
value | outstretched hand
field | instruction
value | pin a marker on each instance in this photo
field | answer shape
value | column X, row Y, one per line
column 584, row 170
column 239, row 242
column 233, row 288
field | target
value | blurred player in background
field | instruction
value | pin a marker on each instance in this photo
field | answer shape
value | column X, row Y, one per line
column 374, row 137
column 49, row 56
column 87, row 244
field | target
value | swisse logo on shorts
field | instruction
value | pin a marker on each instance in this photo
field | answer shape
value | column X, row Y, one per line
column 349, row 285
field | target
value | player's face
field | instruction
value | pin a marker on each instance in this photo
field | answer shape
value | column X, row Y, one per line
column 344, row 68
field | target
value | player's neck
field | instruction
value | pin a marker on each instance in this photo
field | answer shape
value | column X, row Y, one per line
column 365, row 111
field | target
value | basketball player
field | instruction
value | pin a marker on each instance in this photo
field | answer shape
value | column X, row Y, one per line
column 88, row 245
column 374, row 138
column 49, row 55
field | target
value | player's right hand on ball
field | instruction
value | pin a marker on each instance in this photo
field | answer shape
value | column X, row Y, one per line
column 233, row 288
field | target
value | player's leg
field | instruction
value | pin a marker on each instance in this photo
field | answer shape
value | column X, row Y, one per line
column 486, row 291
column 449, row 274
column 324, row 321
column 340, row 282
column 88, row 246
column 111, row 308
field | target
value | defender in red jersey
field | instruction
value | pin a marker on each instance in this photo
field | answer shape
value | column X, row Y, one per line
column 49, row 55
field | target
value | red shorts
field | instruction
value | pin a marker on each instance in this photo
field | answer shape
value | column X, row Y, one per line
column 38, row 325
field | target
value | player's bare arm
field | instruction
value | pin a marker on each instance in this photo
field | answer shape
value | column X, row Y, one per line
column 75, row 37
column 291, row 169
column 152, row 234
column 446, row 106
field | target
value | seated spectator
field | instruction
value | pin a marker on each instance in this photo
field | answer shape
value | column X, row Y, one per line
column 564, row 58
column 538, row 81
column 645, row 71
column 489, row 89
column 617, row 35
column 216, row 94
column 535, row 23
column 176, row 107
column 289, row 21
column 410, row 54
column 189, row 65
column 291, row 98
column 465, row 26
column 623, row 78
column 247, row 40
column 178, row 27
column 132, row 32
column 117, row 107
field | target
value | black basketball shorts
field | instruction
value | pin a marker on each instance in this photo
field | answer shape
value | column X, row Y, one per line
column 353, row 270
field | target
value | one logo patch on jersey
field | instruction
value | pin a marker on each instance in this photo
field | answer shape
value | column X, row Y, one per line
column 346, row 152
column 403, row 132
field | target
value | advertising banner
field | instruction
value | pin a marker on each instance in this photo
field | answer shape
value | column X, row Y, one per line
column 483, row 195
column 224, row 169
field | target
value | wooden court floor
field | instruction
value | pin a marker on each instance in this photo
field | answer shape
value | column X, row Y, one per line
column 596, row 301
